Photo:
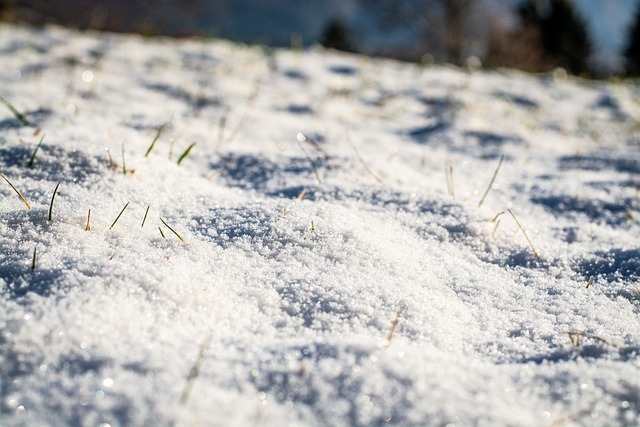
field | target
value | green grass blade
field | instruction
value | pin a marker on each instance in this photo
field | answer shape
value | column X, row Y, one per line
column 172, row 230
column 33, row 156
column 17, row 192
column 493, row 178
column 119, row 215
column 53, row 197
column 153, row 143
column 15, row 112
column 161, row 233
column 186, row 153
column 33, row 261
column 145, row 216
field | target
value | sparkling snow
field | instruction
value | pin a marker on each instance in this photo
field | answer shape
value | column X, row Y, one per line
column 328, row 274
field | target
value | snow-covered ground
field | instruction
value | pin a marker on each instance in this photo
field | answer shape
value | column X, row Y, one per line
column 336, row 267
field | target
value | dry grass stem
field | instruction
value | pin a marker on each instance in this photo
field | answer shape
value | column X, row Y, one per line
column 314, row 144
column 362, row 162
column 88, row 226
column 589, row 282
column 17, row 192
column 525, row 234
column 394, row 326
column 448, row 175
column 575, row 338
column 493, row 178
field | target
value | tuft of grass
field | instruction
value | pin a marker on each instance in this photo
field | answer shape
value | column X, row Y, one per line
column 17, row 192
column 194, row 372
column 394, row 326
column 153, row 143
column 186, row 153
column 53, row 197
column 119, row 215
column 493, row 178
column 88, row 226
column 172, row 230
column 145, row 216
column 15, row 112
column 525, row 234
column 33, row 261
column 33, row 156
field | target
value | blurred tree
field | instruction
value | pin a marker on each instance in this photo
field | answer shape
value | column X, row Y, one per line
column 632, row 52
column 456, row 20
column 563, row 33
column 336, row 36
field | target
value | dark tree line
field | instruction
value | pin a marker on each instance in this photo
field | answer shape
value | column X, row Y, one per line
column 632, row 51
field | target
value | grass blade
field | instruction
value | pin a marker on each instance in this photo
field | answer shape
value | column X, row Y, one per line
column 53, row 197
column 493, row 178
column 194, row 372
column 313, row 165
column 145, row 216
column 394, row 326
column 124, row 167
column 162, row 233
column 33, row 156
column 15, row 112
column 174, row 231
column 448, row 175
column 119, row 215
column 186, row 153
column 88, row 227
column 33, row 261
column 525, row 234
column 17, row 192
column 153, row 143
column 362, row 162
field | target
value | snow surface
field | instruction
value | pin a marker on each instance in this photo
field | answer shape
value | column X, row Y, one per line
column 261, row 318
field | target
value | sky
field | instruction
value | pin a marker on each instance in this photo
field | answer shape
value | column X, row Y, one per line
column 609, row 21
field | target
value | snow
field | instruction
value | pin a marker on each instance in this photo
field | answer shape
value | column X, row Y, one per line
column 316, row 215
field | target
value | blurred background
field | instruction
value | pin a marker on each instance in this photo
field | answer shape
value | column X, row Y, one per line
column 594, row 38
